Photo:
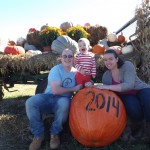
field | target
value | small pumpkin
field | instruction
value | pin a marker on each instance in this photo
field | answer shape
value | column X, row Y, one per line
column 98, row 49
column 21, row 41
column 66, row 25
column 127, row 49
column 121, row 38
column 44, row 27
column 117, row 49
column 97, row 117
column 11, row 43
column 32, row 30
column 14, row 50
column 112, row 37
column 104, row 42
column 86, row 25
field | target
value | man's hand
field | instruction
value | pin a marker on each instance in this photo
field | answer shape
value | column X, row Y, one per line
column 89, row 84
column 78, row 87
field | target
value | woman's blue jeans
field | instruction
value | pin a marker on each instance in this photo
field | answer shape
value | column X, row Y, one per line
column 47, row 104
column 137, row 106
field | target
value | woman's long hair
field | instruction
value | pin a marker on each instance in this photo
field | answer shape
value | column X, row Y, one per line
column 120, row 61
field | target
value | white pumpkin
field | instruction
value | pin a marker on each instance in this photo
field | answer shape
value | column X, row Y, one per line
column 44, row 27
column 27, row 46
column 62, row 42
column 112, row 37
column 20, row 41
column 127, row 49
column 104, row 43
column 33, row 52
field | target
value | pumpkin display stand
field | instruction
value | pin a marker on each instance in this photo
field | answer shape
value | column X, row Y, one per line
column 97, row 117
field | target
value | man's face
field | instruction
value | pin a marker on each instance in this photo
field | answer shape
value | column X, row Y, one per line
column 83, row 47
column 67, row 58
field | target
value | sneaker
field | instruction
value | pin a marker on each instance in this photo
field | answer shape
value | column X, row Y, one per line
column 54, row 142
column 36, row 143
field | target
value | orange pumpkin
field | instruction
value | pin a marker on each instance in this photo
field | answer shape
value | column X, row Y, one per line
column 14, row 50
column 121, row 38
column 87, row 25
column 11, row 43
column 97, row 117
column 31, row 30
column 98, row 49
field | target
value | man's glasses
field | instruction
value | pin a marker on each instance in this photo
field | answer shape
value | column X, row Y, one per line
column 67, row 56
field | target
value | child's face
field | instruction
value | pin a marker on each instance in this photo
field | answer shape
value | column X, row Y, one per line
column 83, row 47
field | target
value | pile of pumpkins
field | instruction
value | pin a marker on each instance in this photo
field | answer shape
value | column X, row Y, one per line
column 19, row 49
column 13, row 49
column 117, row 43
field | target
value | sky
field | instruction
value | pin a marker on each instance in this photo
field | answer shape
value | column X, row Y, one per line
column 18, row 16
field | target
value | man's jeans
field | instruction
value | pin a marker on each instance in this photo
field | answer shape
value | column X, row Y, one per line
column 47, row 104
column 137, row 106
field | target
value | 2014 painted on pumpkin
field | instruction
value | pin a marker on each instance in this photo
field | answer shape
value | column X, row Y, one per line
column 100, row 102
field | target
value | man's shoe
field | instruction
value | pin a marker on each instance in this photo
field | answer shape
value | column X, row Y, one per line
column 54, row 142
column 36, row 143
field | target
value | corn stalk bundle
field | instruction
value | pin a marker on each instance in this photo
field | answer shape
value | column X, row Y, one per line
column 143, row 39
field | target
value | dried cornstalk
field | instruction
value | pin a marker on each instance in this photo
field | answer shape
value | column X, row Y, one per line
column 143, row 39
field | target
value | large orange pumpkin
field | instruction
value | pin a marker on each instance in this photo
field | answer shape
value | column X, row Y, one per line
column 98, row 49
column 97, row 117
column 14, row 50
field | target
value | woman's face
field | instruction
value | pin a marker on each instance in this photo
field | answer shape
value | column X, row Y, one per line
column 110, row 61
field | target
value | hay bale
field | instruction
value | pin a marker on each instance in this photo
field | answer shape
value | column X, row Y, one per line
column 27, row 63
column 32, row 65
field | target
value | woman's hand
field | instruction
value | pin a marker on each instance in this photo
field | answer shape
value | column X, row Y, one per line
column 89, row 84
column 102, row 87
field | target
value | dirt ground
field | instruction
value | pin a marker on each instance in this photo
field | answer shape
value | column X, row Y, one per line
column 15, row 134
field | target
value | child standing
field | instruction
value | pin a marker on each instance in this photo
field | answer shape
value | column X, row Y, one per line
column 85, row 62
